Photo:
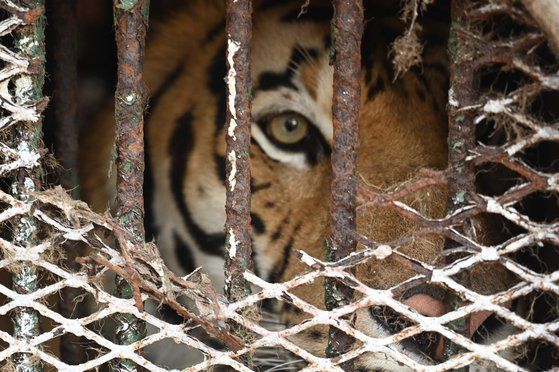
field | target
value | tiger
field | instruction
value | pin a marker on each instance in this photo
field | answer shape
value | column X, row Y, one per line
column 402, row 128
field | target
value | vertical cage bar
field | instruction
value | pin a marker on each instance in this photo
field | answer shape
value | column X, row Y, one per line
column 63, row 44
column 461, row 131
column 131, row 22
column 131, row 26
column 27, row 137
column 462, row 93
column 348, row 30
column 238, row 119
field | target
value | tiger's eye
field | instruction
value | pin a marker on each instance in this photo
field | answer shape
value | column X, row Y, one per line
column 288, row 128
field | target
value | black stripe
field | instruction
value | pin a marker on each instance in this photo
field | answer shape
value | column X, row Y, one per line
column 257, row 224
column 367, row 65
column 276, row 235
column 179, row 151
column 273, row 80
column 149, row 221
column 254, row 256
column 256, row 188
column 389, row 69
column 276, row 274
column 369, row 46
column 438, row 68
column 183, row 253
column 328, row 42
column 418, row 71
column 375, row 89
column 217, row 30
column 421, row 75
column 162, row 89
column 315, row 334
column 269, row 80
column 300, row 54
column 216, row 85
column 220, row 167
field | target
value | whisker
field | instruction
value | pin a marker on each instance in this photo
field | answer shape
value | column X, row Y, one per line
column 290, row 366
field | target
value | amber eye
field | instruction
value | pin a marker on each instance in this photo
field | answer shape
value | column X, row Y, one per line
column 288, row 128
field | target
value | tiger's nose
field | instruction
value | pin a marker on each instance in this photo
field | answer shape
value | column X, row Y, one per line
column 430, row 303
column 427, row 300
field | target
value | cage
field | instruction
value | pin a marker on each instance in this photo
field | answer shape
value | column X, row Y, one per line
column 496, row 236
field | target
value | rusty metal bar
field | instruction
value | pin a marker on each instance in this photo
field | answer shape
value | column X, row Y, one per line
column 131, row 22
column 131, row 19
column 461, row 135
column 348, row 30
column 27, row 139
column 63, row 43
column 238, row 119
column 463, row 93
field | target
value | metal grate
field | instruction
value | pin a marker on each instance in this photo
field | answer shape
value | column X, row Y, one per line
column 503, row 133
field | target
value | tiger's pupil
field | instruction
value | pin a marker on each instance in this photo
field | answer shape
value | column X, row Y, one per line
column 291, row 124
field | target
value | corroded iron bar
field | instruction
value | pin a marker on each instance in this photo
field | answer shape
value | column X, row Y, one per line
column 238, row 121
column 131, row 22
column 463, row 92
column 63, row 43
column 348, row 30
column 27, row 139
